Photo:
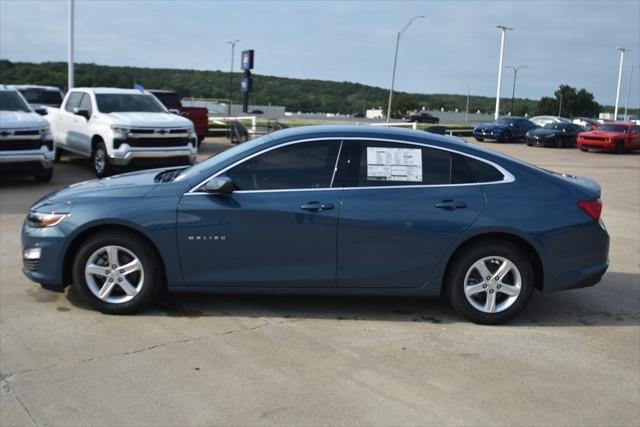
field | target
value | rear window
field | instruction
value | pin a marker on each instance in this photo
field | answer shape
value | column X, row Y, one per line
column 483, row 172
column 42, row 96
column 169, row 99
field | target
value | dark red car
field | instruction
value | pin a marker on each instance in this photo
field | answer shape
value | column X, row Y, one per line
column 615, row 136
column 198, row 115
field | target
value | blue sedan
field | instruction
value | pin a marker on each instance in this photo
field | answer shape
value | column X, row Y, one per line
column 505, row 129
column 325, row 210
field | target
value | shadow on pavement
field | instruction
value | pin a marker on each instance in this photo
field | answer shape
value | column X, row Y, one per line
column 581, row 307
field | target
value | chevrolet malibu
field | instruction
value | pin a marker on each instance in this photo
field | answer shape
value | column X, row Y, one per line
column 326, row 210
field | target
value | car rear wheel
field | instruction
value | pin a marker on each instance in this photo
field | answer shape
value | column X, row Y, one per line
column 479, row 139
column 490, row 282
column 44, row 176
column 116, row 273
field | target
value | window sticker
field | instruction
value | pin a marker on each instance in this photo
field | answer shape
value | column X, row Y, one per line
column 394, row 164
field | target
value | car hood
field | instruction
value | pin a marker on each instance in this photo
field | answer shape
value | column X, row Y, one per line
column 148, row 120
column 491, row 126
column 603, row 134
column 21, row 120
column 129, row 185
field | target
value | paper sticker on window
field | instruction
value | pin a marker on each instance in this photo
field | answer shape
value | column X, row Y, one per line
column 394, row 164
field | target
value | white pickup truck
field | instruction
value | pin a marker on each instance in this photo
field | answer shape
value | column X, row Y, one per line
column 26, row 144
column 119, row 127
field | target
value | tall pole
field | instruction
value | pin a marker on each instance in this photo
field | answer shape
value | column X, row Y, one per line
column 513, row 91
column 395, row 61
column 560, row 106
column 626, row 104
column 504, row 29
column 233, row 49
column 70, row 72
column 466, row 111
column 622, row 51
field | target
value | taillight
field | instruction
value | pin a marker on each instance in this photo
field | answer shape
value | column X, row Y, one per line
column 593, row 208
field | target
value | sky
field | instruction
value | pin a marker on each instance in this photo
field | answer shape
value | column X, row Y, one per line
column 560, row 42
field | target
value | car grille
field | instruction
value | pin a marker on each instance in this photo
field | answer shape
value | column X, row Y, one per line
column 158, row 142
column 593, row 138
column 26, row 132
column 31, row 264
column 21, row 144
column 138, row 131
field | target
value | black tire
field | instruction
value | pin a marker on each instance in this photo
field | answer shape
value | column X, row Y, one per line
column 507, row 138
column 58, row 155
column 582, row 148
column 455, row 281
column 153, row 277
column 559, row 143
column 619, row 148
column 100, row 161
column 479, row 139
column 44, row 176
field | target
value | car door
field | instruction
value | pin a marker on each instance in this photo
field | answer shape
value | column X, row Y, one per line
column 635, row 137
column 81, row 126
column 277, row 229
column 66, row 134
column 403, row 206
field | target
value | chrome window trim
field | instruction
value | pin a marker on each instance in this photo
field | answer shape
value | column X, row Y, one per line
column 508, row 177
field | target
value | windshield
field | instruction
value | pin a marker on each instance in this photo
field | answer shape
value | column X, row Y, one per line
column 169, row 99
column 127, row 103
column 613, row 128
column 505, row 121
column 555, row 126
column 42, row 96
column 221, row 157
column 11, row 101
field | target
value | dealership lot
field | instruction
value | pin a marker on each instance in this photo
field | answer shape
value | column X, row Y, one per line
column 572, row 358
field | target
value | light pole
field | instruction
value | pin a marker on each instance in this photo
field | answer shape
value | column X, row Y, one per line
column 70, row 71
column 622, row 51
column 233, row 49
column 626, row 104
column 504, row 29
column 466, row 110
column 560, row 106
column 515, row 75
column 395, row 61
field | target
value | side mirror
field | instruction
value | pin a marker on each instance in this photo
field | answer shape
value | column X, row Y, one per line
column 219, row 185
column 41, row 110
column 82, row 112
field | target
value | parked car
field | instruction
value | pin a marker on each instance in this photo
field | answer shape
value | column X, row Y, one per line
column 554, row 135
column 41, row 97
column 586, row 123
column 198, row 115
column 359, row 210
column 421, row 117
column 119, row 127
column 505, row 129
column 543, row 120
column 26, row 143
column 617, row 137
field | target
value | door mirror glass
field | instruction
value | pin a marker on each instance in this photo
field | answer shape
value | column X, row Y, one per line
column 82, row 112
column 219, row 185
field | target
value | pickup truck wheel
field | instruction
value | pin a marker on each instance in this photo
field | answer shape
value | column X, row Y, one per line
column 44, row 176
column 100, row 159
column 58, row 155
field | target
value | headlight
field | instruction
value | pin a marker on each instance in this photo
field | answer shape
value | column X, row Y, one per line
column 192, row 133
column 43, row 220
column 45, row 130
column 120, row 129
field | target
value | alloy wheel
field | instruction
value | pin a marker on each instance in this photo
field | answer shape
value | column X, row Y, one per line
column 492, row 284
column 114, row 274
column 99, row 160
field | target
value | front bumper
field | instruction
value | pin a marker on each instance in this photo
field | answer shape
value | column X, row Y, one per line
column 497, row 136
column 44, row 157
column 126, row 154
column 46, row 269
column 597, row 145
column 540, row 141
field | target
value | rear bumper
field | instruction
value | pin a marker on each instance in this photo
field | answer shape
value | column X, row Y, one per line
column 15, row 160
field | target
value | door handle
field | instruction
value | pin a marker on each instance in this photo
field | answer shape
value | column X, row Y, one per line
column 316, row 206
column 450, row 205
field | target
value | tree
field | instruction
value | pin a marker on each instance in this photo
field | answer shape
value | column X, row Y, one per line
column 569, row 102
column 402, row 103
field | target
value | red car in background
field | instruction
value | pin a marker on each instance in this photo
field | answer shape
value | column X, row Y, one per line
column 614, row 136
column 198, row 115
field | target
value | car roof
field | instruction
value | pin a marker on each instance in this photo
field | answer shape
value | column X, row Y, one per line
column 47, row 88
column 161, row 91
column 110, row 90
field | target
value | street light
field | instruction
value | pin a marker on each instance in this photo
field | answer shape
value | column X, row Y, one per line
column 626, row 105
column 70, row 71
column 395, row 60
column 504, row 29
column 622, row 51
column 233, row 49
column 466, row 111
column 515, row 75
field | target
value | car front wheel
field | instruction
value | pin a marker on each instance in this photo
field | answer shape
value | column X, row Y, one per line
column 490, row 282
column 100, row 159
column 117, row 273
